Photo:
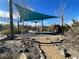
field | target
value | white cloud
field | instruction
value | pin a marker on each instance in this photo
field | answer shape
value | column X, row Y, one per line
column 30, row 8
column 69, row 23
column 27, row 7
column 5, row 14
column 23, row 4
column 33, row 24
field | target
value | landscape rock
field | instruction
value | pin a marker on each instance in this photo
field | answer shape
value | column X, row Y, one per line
column 14, row 49
column 71, row 41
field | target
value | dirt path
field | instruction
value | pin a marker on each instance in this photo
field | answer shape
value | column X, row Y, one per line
column 51, row 51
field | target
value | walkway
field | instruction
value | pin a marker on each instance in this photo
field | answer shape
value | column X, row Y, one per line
column 51, row 51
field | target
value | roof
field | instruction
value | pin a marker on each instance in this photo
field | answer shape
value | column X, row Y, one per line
column 29, row 15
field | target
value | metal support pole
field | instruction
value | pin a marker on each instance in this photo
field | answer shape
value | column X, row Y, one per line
column 27, row 26
column 27, row 23
column 62, row 18
column 18, row 26
column 23, row 31
column 42, row 25
column 35, row 25
column 11, row 20
column 62, row 21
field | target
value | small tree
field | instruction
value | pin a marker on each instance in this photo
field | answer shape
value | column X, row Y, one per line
column 75, row 23
column 66, row 27
column 75, row 26
column 55, row 27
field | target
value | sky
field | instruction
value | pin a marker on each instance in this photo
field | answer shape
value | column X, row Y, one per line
column 48, row 7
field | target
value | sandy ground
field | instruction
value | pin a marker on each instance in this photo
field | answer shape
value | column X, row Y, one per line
column 51, row 51
column 22, row 56
column 47, row 38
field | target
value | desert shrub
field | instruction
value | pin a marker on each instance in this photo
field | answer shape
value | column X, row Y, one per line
column 71, row 40
column 5, row 31
column 55, row 28
column 17, row 31
column 8, row 31
column 66, row 27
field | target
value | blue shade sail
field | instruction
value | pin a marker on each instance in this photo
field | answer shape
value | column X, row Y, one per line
column 29, row 15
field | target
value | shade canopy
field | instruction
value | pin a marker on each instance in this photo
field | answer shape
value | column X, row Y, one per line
column 29, row 15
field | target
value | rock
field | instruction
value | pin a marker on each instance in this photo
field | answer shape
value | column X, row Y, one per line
column 62, row 52
column 12, row 48
column 5, row 49
column 71, row 41
column 23, row 56
column 74, row 58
